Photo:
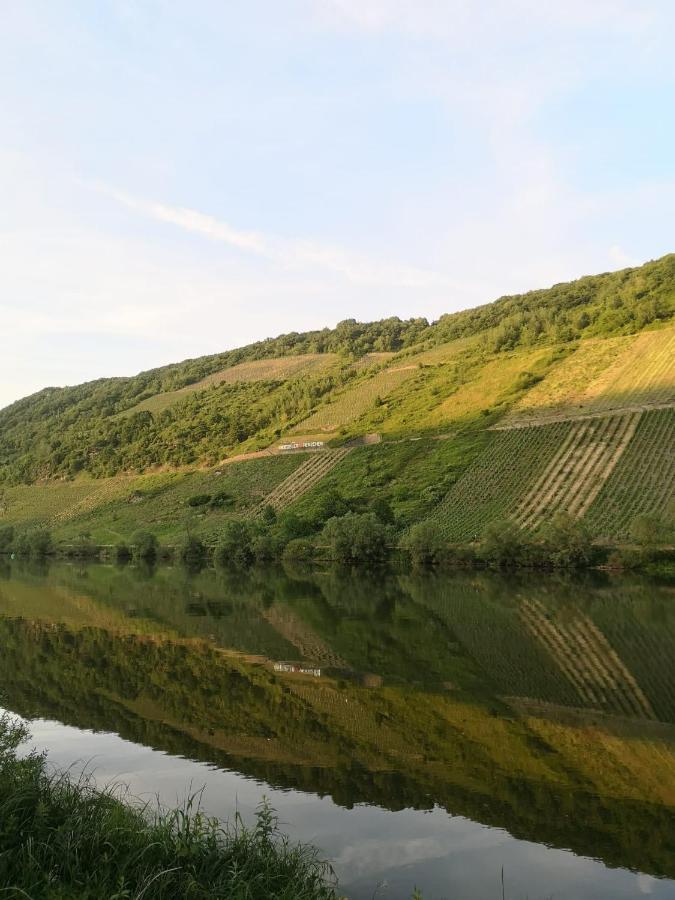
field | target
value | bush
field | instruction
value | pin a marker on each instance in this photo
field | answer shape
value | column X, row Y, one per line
column 83, row 548
column 122, row 553
column 6, row 538
column 221, row 499
column 356, row 538
column 298, row 550
column 145, row 546
column 235, row 546
column 648, row 531
column 503, row 544
column 424, row 545
column 382, row 510
column 268, row 516
column 199, row 500
column 36, row 544
column 193, row 551
column 567, row 541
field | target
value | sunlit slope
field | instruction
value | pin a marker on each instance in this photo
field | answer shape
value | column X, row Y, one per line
column 599, row 376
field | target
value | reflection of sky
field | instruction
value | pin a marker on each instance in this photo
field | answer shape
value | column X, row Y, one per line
column 446, row 856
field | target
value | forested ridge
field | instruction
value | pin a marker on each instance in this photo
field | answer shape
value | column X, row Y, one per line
column 94, row 427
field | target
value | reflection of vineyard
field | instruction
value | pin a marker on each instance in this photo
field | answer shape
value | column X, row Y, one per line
column 586, row 658
column 303, row 637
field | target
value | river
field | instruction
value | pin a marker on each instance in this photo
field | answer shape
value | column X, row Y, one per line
column 444, row 731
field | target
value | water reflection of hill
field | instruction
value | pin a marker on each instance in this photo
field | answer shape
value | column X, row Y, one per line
column 543, row 707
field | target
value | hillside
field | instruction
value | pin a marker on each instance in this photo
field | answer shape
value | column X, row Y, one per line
column 558, row 399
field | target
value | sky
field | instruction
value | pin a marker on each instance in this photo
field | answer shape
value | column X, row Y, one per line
column 178, row 177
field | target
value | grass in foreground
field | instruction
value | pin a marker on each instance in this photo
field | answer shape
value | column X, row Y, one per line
column 61, row 838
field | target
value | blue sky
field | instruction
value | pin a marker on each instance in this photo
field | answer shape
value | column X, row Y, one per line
column 177, row 178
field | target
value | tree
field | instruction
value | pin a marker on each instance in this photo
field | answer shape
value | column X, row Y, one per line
column 567, row 541
column 357, row 538
column 647, row 530
column 145, row 545
column 235, row 545
column 6, row 538
column 424, row 544
column 193, row 551
column 503, row 543
column 381, row 508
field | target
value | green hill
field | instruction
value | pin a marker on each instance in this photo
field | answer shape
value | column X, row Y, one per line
column 555, row 399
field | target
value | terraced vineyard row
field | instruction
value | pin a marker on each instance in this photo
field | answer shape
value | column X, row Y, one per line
column 304, row 478
column 574, row 477
column 494, row 484
column 352, row 403
column 643, row 480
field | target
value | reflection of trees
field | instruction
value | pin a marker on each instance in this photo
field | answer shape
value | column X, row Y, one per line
column 394, row 747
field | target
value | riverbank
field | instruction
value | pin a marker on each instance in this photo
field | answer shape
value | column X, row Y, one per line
column 61, row 838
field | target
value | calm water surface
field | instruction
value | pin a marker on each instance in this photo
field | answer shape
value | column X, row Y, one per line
column 421, row 730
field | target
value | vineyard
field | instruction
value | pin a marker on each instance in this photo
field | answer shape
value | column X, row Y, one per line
column 606, row 469
column 630, row 372
column 494, row 484
column 352, row 403
column 304, row 478
column 573, row 478
column 643, row 480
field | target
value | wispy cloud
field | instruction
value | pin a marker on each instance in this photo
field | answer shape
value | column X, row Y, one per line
column 292, row 254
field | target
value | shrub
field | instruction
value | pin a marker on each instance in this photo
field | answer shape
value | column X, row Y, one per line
column 221, row 499
column 648, row 531
column 123, row 553
column 298, row 550
column 357, row 538
column 193, row 551
column 424, row 544
column 567, row 541
column 268, row 515
column 145, row 545
column 6, row 538
column 36, row 544
column 503, row 543
column 199, row 500
column 235, row 545
column 380, row 508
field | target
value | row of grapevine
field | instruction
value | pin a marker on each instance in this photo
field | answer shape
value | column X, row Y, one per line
column 575, row 475
column 642, row 482
column 494, row 484
column 304, row 478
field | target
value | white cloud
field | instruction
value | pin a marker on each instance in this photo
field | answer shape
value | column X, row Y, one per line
column 456, row 19
column 293, row 254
